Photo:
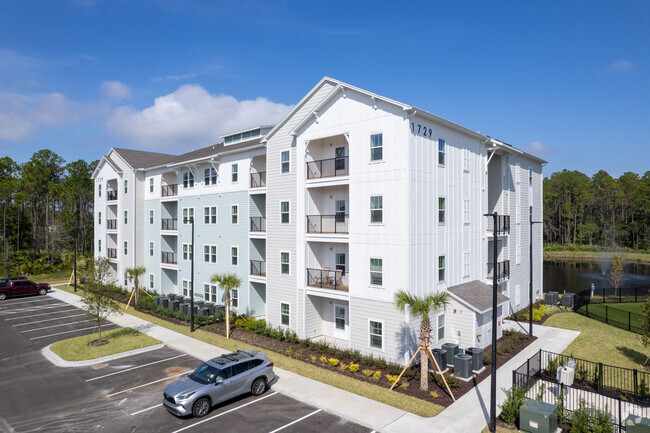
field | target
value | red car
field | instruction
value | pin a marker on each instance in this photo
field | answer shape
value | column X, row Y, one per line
column 10, row 287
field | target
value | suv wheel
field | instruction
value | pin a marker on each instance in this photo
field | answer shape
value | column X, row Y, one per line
column 201, row 407
column 3, row 296
column 258, row 387
column 42, row 292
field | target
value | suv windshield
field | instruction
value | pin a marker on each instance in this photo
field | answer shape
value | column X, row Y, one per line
column 207, row 374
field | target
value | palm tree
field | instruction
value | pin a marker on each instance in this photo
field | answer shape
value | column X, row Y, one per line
column 134, row 274
column 422, row 307
column 227, row 282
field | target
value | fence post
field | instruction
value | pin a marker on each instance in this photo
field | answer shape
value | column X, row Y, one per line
column 587, row 309
column 528, row 368
column 636, row 383
column 600, row 377
column 606, row 315
column 620, row 295
column 620, row 414
column 514, row 377
column 629, row 322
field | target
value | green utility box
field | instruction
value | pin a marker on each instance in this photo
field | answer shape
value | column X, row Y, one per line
column 537, row 417
column 637, row 424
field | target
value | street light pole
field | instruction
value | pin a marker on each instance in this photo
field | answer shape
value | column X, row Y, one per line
column 493, row 366
column 192, row 281
column 76, row 232
column 530, row 292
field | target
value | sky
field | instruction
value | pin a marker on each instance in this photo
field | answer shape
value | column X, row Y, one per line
column 567, row 81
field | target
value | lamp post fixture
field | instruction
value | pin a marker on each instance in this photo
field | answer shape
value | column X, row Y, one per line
column 192, row 280
column 530, row 293
column 493, row 366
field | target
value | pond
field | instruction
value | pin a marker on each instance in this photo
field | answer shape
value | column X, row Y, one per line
column 577, row 276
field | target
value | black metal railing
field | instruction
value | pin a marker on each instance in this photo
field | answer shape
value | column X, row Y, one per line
column 168, row 257
column 169, row 224
column 611, row 295
column 258, row 267
column 258, row 224
column 503, row 225
column 258, row 180
column 328, row 223
column 111, row 195
column 111, row 224
column 111, row 253
column 328, row 279
column 328, row 168
column 604, row 313
column 169, row 190
column 503, row 270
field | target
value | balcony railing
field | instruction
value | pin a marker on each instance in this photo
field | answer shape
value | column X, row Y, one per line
column 111, row 224
column 258, row 267
column 169, row 190
column 168, row 257
column 328, row 223
column 503, row 225
column 328, row 279
column 169, row 224
column 111, row 253
column 111, row 195
column 503, row 270
column 258, row 180
column 258, row 224
column 328, row 168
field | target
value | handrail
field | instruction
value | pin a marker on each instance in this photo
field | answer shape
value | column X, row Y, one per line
column 328, row 168
column 328, row 223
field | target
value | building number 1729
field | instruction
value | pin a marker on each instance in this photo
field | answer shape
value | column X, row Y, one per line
column 421, row 130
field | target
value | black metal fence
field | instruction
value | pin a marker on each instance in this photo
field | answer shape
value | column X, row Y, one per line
column 622, row 319
column 258, row 224
column 258, row 267
column 111, row 195
column 111, row 253
column 503, row 270
column 169, row 190
column 610, row 295
column 328, row 168
column 168, row 257
column 594, row 305
column 503, row 224
column 258, row 180
column 327, row 279
column 169, row 224
column 328, row 223
column 111, row 224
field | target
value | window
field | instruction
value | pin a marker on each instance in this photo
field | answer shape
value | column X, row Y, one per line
column 188, row 215
column 284, row 212
column 234, row 214
column 151, row 248
column 340, row 262
column 210, row 292
column 187, row 252
column 99, row 190
column 188, row 179
column 530, row 177
column 187, row 286
column 234, row 297
column 284, row 263
column 441, row 327
column 126, row 186
column 210, row 253
column 210, row 215
column 466, row 211
column 376, row 272
column 234, row 256
column 99, row 218
column 441, row 210
column 376, row 147
column 126, row 248
column 150, row 216
column 376, row 209
column 339, row 317
column 210, row 176
column 284, row 161
column 151, row 185
column 466, row 159
column 99, row 245
column 466, row 263
column 441, row 152
column 441, row 269
column 126, row 281
column 235, row 174
column 126, row 217
column 376, row 332
column 284, row 314
column 151, row 281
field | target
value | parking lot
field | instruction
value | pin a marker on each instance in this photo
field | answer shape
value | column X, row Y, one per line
column 123, row 395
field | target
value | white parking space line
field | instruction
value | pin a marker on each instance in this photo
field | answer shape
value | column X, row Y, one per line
column 136, row 367
column 28, row 309
column 65, row 332
column 22, row 301
column 42, row 314
column 147, row 384
column 46, row 320
column 223, row 413
column 144, row 410
column 293, row 422
column 54, row 326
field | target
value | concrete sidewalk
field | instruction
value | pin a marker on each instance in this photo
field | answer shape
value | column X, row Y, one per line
column 469, row 414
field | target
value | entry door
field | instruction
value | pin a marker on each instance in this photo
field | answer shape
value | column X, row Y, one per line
column 341, row 321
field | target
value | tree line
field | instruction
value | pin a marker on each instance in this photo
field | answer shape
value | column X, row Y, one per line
column 44, row 203
column 599, row 210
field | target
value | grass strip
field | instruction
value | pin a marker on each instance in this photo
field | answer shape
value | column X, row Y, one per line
column 582, row 256
column 121, row 340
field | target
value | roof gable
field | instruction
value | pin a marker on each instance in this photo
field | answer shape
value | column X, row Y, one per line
column 476, row 295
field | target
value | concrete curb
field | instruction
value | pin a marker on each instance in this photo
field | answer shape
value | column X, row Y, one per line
column 60, row 362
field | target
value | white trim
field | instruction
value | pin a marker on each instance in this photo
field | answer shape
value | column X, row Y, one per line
column 370, row 222
column 288, row 212
column 231, row 214
column 282, row 162
column 381, row 286
column 289, row 263
column 383, row 335
column 151, row 249
column 216, row 215
column 289, row 315
column 190, row 252
column 231, row 256
column 210, row 253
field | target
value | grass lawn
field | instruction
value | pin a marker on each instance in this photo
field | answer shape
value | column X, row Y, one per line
column 500, row 429
column 122, row 340
column 616, row 311
column 55, row 278
column 592, row 256
column 600, row 342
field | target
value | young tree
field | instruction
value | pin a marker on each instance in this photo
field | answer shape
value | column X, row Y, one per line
column 645, row 325
column 422, row 307
column 97, row 301
column 227, row 282
column 134, row 274
column 615, row 276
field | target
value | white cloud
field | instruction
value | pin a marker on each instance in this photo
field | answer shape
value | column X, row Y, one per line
column 177, row 77
column 115, row 90
column 21, row 116
column 538, row 148
column 190, row 117
column 621, row 65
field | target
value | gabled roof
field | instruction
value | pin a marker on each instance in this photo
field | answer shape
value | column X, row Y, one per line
column 142, row 159
column 477, row 295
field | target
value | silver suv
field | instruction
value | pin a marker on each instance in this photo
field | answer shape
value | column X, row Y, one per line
column 218, row 380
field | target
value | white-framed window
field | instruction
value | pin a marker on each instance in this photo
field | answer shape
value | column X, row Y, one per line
column 376, row 272
column 151, row 281
column 234, row 214
column 150, row 216
column 151, row 248
column 234, row 256
column 99, row 218
column 210, row 215
column 530, row 176
column 441, row 327
column 188, row 179
column 340, row 317
column 441, row 152
column 441, row 269
column 188, row 215
column 377, row 147
column 284, row 314
column 235, row 173
column 284, row 212
column 210, row 176
column 466, row 257
column 209, row 253
column 99, row 190
column 126, row 186
column 126, row 281
column 187, row 285
column 151, row 184
column 234, row 297
column 210, row 292
column 284, row 262
column 466, row 211
column 187, row 252
column 126, row 217
column 285, row 158
column 376, row 334
column 466, row 159
column 376, row 209
column 441, row 210
column 99, row 245
column 126, row 248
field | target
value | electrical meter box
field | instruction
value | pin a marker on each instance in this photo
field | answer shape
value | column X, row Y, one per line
column 566, row 375
column 637, row 424
column 537, row 417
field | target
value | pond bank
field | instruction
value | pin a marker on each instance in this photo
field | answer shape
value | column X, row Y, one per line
column 595, row 256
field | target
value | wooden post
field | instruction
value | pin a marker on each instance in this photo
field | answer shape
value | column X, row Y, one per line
column 407, row 366
column 433, row 359
column 131, row 297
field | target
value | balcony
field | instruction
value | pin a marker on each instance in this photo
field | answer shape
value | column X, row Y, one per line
column 503, row 271
column 328, row 224
column 111, row 224
column 169, row 257
column 324, row 168
column 258, row 224
column 169, row 190
column 258, row 180
column 327, row 279
column 503, row 225
column 111, row 253
column 258, row 267
column 111, row 195
column 169, row 224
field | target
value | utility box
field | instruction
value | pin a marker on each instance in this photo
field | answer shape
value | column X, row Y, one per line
column 184, row 308
column 174, row 304
column 568, row 300
column 477, row 357
column 463, row 365
column 158, row 300
column 452, row 350
column 537, row 417
column 637, row 424
column 172, row 295
column 440, row 356
column 164, row 302
column 550, row 298
column 566, row 375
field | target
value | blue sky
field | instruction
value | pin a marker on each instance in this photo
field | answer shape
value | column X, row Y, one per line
column 566, row 80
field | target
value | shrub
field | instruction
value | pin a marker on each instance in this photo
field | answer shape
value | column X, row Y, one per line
column 313, row 358
column 323, row 360
column 367, row 372
column 305, row 343
column 580, row 418
column 391, row 378
column 380, row 363
column 540, row 393
column 643, row 388
column 289, row 352
column 355, row 355
column 602, row 421
column 250, row 325
column 259, row 326
column 242, row 321
column 377, row 375
column 553, row 363
column 434, row 394
column 333, row 362
column 344, row 367
column 291, row 336
column 582, row 374
column 354, row 367
column 453, row 382
column 405, row 385
column 395, row 369
column 297, row 354
column 560, row 407
column 515, row 397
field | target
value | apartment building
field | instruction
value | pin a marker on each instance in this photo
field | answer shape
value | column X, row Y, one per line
column 351, row 197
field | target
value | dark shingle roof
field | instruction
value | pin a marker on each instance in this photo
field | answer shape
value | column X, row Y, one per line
column 142, row 159
column 477, row 295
